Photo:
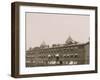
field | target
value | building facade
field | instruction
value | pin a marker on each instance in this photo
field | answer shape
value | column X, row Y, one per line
column 70, row 53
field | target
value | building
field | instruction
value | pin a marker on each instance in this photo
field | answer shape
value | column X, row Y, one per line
column 70, row 53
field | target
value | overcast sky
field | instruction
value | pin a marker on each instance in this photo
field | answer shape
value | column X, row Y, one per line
column 55, row 28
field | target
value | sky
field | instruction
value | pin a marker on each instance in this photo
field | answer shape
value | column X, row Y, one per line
column 55, row 28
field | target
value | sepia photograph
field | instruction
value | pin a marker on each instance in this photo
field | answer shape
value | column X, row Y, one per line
column 53, row 39
column 57, row 39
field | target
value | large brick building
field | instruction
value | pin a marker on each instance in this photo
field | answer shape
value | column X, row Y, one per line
column 70, row 53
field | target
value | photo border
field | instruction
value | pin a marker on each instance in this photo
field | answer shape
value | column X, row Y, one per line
column 15, row 32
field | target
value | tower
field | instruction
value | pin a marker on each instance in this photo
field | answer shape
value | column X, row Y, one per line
column 69, row 40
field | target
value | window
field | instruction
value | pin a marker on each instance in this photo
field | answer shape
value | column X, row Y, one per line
column 67, row 55
column 76, row 55
column 64, row 55
column 57, row 55
column 51, row 62
column 49, row 56
column 28, row 61
column 71, row 62
column 71, row 56
column 75, row 62
column 66, row 62
column 33, row 62
column 76, row 47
